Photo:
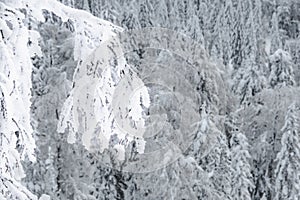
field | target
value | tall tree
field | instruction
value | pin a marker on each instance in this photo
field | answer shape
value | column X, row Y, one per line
column 242, row 184
column 288, row 159
column 211, row 151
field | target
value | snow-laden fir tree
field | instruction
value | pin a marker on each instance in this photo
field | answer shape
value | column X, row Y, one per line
column 287, row 173
column 211, row 151
column 242, row 184
column 281, row 69
column 248, row 81
column 248, row 58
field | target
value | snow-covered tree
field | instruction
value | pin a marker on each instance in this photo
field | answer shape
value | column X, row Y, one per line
column 145, row 14
column 50, row 88
column 242, row 184
column 288, row 159
column 249, row 81
column 183, row 179
column 276, row 41
column 264, row 135
column 281, row 69
column 53, row 70
column 211, row 151
column 16, row 141
column 248, row 59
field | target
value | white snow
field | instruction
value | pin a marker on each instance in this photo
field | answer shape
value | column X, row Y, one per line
column 93, row 38
column 45, row 197
column 15, row 85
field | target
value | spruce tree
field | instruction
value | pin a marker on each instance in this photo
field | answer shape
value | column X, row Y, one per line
column 242, row 183
column 287, row 172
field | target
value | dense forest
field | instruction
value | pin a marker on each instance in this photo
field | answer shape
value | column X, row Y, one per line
column 150, row 99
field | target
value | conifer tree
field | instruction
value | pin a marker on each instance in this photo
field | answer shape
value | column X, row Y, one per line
column 287, row 172
column 281, row 69
column 242, row 183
